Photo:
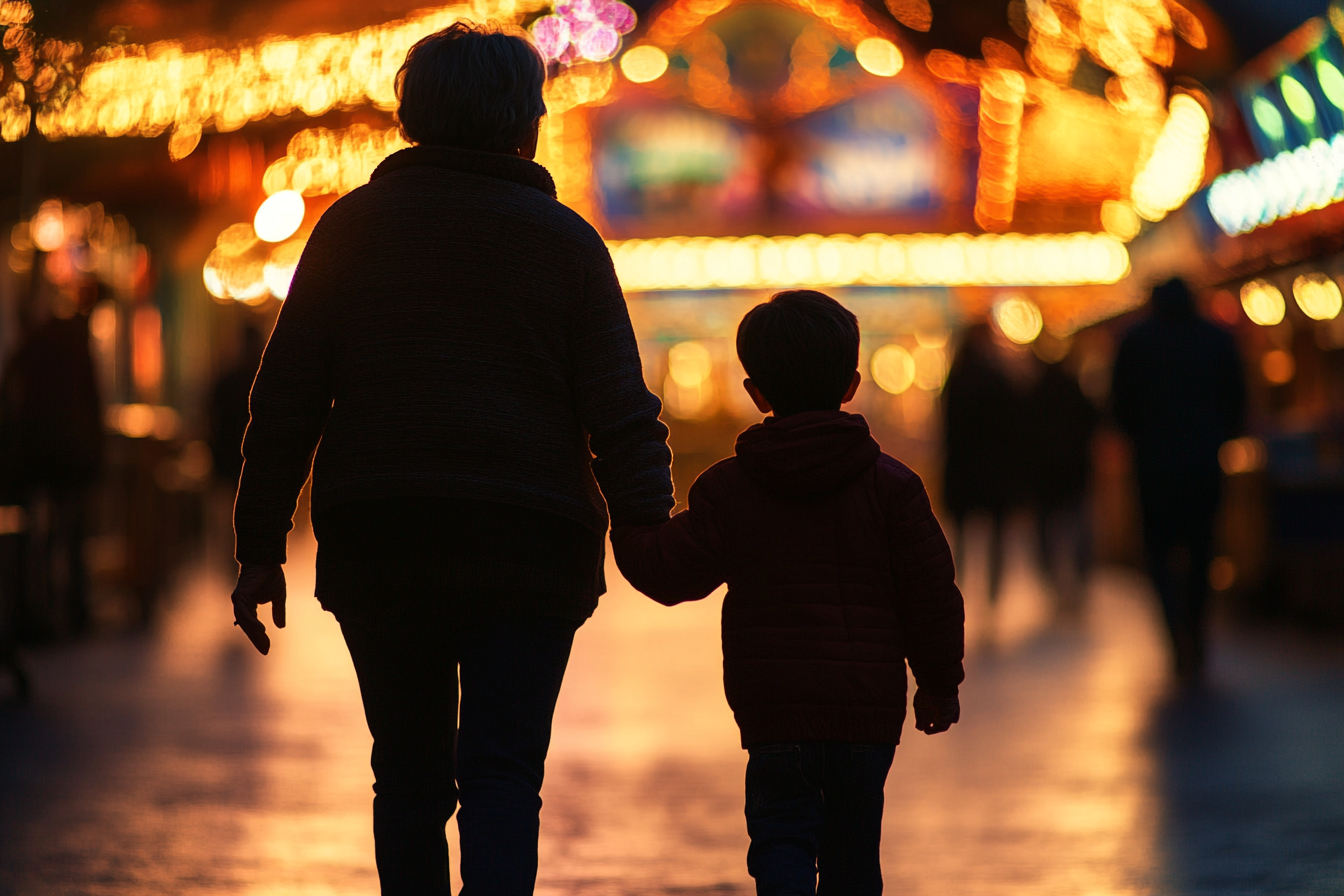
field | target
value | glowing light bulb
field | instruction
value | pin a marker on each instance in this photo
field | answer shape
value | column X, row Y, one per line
column 1331, row 81
column 279, row 216
column 879, row 56
column 1262, row 302
column 689, row 364
column 1019, row 319
column 1318, row 296
column 48, row 228
column 1266, row 114
column 893, row 369
column 644, row 64
column 1298, row 99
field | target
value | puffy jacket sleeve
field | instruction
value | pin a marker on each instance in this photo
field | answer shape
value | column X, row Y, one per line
column 679, row 560
column 631, row 460
column 290, row 401
column 933, row 616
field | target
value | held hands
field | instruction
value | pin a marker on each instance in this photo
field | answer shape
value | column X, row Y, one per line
column 258, row 585
column 934, row 715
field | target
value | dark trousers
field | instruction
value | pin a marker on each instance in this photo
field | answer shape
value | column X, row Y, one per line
column 430, row 754
column 1178, row 515
column 814, row 813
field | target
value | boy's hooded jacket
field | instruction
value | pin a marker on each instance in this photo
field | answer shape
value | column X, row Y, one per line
column 837, row 572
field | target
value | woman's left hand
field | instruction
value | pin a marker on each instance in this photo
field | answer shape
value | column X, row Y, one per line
column 258, row 584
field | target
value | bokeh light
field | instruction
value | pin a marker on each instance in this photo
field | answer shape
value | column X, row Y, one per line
column 689, row 364
column 1262, row 302
column 1120, row 220
column 1278, row 367
column 583, row 30
column 757, row 262
column 879, row 56
column 1176, row 166
column 688, row 391
column 1318, row 296
column 1291, row 183
column 893, row 369
column 1019, row 319
column 280, row 216
column 644, row 64
column 278, row 271
column 47, row 230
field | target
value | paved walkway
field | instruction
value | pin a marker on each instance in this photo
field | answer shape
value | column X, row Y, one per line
column 179, row 762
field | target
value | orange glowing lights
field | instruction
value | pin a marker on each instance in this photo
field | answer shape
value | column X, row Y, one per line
column 279, row 216
column 1019, row 319
column 1002, row 95
column 1176, row 166
column 879, row 56
column 1262, row 302
column 1278, row 367
column 148, row 90
column 689, row 388
column 1318, row 296
column 644, row 63
column 893, row 369
column 757, row 262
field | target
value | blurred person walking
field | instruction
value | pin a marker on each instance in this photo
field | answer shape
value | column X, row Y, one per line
column 1061, row 423
column 229, row 411
column 984, row 465
column 51, row 419
column 458, row 343
column 1178, row 392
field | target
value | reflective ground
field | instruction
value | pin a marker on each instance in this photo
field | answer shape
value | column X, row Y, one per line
column 180, row 762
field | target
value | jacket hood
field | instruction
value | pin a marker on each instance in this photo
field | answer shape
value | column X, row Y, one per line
column 807, row 455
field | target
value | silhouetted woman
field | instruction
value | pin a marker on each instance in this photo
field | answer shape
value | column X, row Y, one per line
column 457, row 341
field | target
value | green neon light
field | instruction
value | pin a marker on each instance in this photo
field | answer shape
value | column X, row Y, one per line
column 1268, row 117
column 1298, row 99
column 1332, row 81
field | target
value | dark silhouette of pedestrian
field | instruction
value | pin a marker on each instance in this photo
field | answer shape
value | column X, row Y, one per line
column 458, row 343
column 985, row 469
column 838, row 574
column 52, row 422
column 228, row 409
column 1061, row 422
column 1178, row 392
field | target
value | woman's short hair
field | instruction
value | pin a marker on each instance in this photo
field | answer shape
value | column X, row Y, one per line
column 471, row 87
column 801, row 349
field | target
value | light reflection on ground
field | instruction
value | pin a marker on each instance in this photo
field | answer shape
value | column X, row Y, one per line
column 181, row 762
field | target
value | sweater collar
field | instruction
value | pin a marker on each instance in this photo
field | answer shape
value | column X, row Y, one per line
column 490, row 164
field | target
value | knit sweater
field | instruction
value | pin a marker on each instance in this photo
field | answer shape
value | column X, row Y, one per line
column 452, row 331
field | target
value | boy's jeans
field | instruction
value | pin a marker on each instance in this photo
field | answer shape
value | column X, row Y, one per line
column 816, row 809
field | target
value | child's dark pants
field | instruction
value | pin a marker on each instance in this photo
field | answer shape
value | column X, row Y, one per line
column 427, row 759
column 815, row 810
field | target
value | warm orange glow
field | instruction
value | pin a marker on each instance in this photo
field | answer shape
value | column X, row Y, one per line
column 319, row 160
column 279, row 216
column 1019, row 319
column 879, row 56
column 146, row 90
column 757, row 262
column 1002, row 95
column 1278, row 367
column 1262, row 302
column 1244, row 455
column 893, row 369
column 689, row 388
column 1176, row 166
column 644, row 64
column 1318, row 296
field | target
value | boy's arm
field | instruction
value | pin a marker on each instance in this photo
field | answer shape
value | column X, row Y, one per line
column 676, row 561
column 932, row 614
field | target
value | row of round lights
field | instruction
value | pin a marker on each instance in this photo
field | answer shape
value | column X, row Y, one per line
column 1317, row 295
column 875, row 259
column 876, row 55
column 895, row 368
column 1291, row 183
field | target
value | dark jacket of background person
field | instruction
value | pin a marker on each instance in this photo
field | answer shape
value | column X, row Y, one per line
column 837, row 573
column 229, row 409
column 1177, row 389
column 1061, row 422
column 49, row 408
column 458, row 341
column 984, row 467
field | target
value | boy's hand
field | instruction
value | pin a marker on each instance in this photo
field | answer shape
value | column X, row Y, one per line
column 259, row 585
column 934, row 715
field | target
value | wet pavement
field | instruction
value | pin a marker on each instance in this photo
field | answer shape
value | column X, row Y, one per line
column 180, row 762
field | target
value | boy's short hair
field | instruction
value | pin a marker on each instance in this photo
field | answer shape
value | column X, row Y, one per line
column 800, row 349
column 471, row 87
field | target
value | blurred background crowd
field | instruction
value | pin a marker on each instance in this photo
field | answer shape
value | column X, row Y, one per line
column 993, row 186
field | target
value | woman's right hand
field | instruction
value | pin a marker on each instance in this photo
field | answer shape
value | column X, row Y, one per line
column 259, row 584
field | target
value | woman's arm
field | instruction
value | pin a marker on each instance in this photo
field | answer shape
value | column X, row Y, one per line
column 291, row 398
column 631, row 459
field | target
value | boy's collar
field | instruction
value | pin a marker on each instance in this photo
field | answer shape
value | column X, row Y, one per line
column 469, row 161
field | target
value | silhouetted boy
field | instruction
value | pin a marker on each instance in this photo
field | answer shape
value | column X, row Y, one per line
column 838, row 573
